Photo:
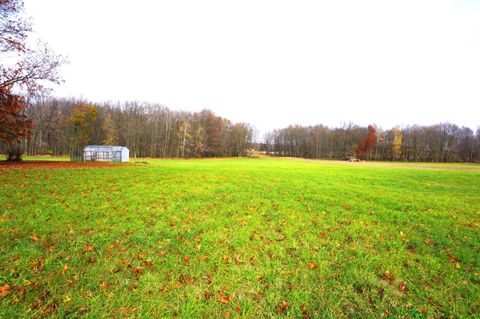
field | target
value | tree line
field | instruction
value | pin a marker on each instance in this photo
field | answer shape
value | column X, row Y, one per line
column 148, row 130
column 443, row 142
column 153, row 130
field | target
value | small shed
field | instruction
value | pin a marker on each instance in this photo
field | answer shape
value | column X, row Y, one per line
column 105, row 153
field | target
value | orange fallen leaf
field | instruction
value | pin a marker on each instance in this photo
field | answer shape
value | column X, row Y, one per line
column 311, row 265
column 283, row 306
column 224, row 298
column 177, row 285
column 452, row 259
column 244, row 223
column 38, row 264
column 65, row 269
column 258, row 296
column 104, row 285
column 148, row 262
column 402, row 286
column 185, row 260
column 4, row 290
column 137, row 271
column 186, row 279
column 34, row 237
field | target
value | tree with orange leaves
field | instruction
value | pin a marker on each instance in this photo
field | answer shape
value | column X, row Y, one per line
column 23, row 71
column 367, row 143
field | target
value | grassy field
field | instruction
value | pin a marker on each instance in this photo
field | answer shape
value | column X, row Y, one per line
column 252, row 238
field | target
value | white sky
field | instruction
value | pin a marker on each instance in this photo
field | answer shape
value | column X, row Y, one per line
column 274, row 63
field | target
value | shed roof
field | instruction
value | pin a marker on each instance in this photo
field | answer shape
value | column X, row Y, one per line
column 104, row 148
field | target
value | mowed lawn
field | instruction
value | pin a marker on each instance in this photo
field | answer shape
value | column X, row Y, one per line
column 251, row 238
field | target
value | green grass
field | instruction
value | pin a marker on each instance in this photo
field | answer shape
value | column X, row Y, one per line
column 245, row 238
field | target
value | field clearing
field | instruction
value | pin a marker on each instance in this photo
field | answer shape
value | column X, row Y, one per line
column 245, row 238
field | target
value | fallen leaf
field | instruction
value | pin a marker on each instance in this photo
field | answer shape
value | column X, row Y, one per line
column 311, row 265
column 50, row 308
column 283, row 306
column 226, row 259
column 38, row 264
column 186, row 279
column 104, row 285
column 4, row 290
column 148, row 262
column 185, row 260
column 34, row 237
column 83, row 309
column 224, row 298
column 402, row 286
column 65, row 269
column 238, row 261
column 137, row 271
column 452, row 259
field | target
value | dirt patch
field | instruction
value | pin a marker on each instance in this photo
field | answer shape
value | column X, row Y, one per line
column 54, row 164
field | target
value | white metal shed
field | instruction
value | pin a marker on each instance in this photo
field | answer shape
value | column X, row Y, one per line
column 106, row 153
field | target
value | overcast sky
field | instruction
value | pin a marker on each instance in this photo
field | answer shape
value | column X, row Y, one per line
column 274, row 63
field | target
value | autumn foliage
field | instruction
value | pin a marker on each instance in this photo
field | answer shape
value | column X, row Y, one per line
column 13, row 123
column 367, row 143
column 24, row 73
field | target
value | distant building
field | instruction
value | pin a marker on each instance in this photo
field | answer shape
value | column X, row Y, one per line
column 105, row 153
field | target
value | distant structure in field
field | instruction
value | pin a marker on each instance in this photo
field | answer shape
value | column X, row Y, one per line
column 105, row 153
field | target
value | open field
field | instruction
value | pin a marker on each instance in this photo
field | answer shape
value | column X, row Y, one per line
column 245, row 238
